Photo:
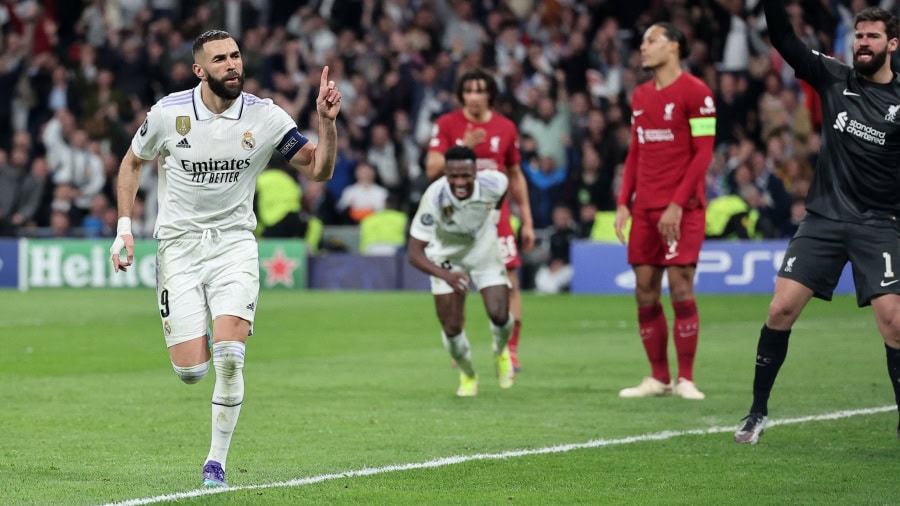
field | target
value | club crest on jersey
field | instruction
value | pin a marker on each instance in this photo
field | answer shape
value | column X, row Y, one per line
column 183, row 125
column 892, row 113
column 495, row 144
column 248, row 142
column 447, row 212
column 668, row 114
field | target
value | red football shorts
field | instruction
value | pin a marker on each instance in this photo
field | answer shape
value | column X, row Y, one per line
column 646, row 245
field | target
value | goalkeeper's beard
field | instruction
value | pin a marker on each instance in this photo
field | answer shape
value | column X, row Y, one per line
column 869, row 68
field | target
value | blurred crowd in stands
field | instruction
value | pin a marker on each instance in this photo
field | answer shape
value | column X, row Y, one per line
column 77, row 76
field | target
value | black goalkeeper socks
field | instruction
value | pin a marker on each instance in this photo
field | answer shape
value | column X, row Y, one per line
column 893, row 365
column 770, row 354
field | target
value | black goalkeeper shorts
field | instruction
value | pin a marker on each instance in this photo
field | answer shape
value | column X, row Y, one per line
column 821, row 248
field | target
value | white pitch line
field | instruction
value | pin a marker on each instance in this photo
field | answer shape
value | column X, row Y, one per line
column 446, row 461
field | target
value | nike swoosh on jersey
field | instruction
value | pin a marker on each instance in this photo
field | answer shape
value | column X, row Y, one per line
column 888, row 283
column 850, row 93
column 637, row 112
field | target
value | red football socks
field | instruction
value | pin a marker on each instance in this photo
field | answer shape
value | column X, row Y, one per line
column 655, row 336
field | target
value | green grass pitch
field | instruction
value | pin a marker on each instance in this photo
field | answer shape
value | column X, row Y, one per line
column 336, row 382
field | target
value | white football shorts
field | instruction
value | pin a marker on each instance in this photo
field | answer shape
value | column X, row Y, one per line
column 200, row 277
column 483, row 263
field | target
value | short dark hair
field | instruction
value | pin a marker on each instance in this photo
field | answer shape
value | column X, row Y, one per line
column 872, row 14
column 460, row 153
column 673, row 34
column 208, row 36
column 477, row 75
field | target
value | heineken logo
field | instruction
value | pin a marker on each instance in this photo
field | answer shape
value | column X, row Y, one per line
column 82, row 265
column 85, row 264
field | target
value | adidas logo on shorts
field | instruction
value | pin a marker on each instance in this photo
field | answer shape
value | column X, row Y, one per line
column 250, row 306
column 183, row 143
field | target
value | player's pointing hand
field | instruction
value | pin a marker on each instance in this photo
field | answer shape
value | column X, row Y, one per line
column 328, row 103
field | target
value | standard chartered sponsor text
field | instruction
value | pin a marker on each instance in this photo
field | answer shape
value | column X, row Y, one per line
column 865, row 132
column 659, row 135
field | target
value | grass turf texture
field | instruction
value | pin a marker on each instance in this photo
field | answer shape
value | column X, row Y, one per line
column 339, row 381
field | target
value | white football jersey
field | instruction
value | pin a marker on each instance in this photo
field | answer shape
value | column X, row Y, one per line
column 452, row 227
column 208, row 163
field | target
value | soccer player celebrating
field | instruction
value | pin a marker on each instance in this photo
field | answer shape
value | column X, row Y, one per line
column 213, row 141
column 496, row 143
column 672, row 132
column 853, row 203
column 453, row 238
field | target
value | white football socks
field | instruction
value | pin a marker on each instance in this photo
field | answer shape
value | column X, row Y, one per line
column 459, row 349
column 228, row 394
column 501, row 333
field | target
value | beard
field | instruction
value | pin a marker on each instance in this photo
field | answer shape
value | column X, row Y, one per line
column 870, row 67
column 220, row 88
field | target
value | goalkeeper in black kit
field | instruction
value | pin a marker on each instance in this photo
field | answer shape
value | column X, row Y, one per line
column 853, row 202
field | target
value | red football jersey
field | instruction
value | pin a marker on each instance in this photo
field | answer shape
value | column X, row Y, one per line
column 499, row 149
column 668, row 127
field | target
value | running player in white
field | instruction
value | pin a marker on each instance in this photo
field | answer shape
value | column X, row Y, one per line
column 453, row 238
column 212, row 142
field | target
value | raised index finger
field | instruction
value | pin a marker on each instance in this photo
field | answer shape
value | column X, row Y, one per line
column 323, row 83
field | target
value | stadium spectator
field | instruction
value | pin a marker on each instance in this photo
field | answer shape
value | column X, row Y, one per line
column 82, row 169
column 410, row 153
column 383, row 233
column 555, row 275
column 453, row 239
column 12, row 66
column 277, row 201
column 36, row 196
column 384, row 155
column 508, row 47
column 92, row 226
column 797, row 124
column 545, row 188
column 9, row 198
column 550, row 124
column 60, row 225
column 663, row 190
column 738, row 216
column 462, row 34
column 592, row 182
column 731, row 111
column 765, row 168
column 55, row 135
column 106, row 111
column 344, row 174
column 205, row 223
column 363, row 197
